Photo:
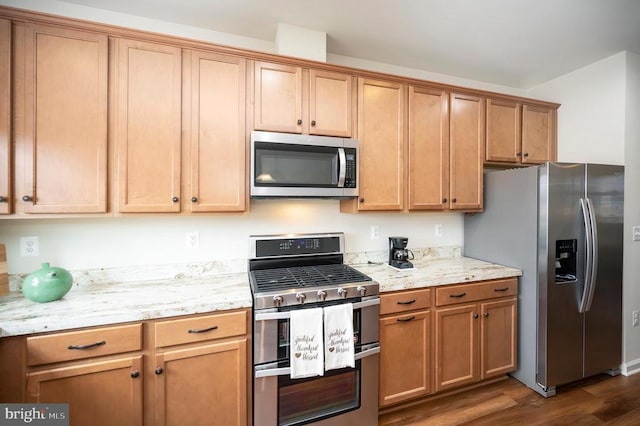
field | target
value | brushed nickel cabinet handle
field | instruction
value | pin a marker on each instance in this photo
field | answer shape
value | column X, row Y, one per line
column 408, row 302
column 89, row 346
column 501, row 289
column 458, row 295
column 411, row 318
column 203, row 330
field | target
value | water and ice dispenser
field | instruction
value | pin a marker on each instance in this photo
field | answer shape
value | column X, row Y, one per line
column 566, row 254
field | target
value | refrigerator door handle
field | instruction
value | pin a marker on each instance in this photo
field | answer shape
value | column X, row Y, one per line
column 594, row 253
column 589, row 254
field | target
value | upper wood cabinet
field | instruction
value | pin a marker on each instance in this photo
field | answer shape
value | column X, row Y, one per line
column 61, row 120
column 467, row 116
column 381, row 132
column 147, row 133
column 428, row 149
column 519, row 133
column 214, row 115
column 295, row 100
column 6, row 195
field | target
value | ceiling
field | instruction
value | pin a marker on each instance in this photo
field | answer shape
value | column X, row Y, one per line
column 516, row 43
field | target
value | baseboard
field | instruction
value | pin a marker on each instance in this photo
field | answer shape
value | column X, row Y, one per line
column 631, row 367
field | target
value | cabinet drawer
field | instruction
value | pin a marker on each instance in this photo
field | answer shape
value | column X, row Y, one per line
column 405, row 301
column 83, row 344
column 451, row 295
column 202, row 328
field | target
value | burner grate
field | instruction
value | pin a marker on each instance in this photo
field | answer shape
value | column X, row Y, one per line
column 305, row 276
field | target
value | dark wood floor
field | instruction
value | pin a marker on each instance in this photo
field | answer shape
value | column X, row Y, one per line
column 600, row 400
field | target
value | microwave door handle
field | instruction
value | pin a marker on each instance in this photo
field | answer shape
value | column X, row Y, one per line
column 342, row 168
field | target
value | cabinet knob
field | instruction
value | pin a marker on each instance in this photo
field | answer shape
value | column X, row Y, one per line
column 475, row 316
column 526, row 154
column 444, row 200
column 175, row 199
column 313, row 123
column 454, row 200
column 159, row 370
column 361, row 199
column 194, row 199
column 27, row 198
column 135, row 374
column 3, row 199
column 486, row 314
column 299, row 122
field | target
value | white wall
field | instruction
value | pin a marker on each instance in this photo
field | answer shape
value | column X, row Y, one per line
column 591, row 117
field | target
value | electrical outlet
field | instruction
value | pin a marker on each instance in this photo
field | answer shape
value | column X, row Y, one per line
column 636, row 233
column 375, row 232
column 29, row 246
column 439, row 230
column 636, row 318
column 191, row 239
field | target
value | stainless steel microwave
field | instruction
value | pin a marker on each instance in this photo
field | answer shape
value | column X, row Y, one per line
column 303, row 166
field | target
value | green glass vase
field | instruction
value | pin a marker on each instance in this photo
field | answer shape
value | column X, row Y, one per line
column 47, row 284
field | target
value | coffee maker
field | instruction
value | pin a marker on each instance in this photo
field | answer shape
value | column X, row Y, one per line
column 399, row 256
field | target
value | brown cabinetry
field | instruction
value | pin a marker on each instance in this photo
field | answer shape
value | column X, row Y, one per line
column 6, row 194
column 103, row 383
column 475, row 329
column 200, row 367
column 214, row 115
column 405, row 341
column 296, row 100
column 519, row 133
column 467, row 140
column 381, row 133
column 147, row 110
column 60, row 118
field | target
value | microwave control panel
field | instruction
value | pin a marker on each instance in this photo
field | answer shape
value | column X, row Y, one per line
column 350, row 175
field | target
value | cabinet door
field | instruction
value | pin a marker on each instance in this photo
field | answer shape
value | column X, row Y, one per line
column 503, row 131
column 428, row 149
column 405, row 357
column 216, row 112
column 65, row 121
column 202, row 385
column 330, row 103
column 456, row 346
column 498, row 335
column 6, row 195
column 147, row 134
column 467, row 151
column 381, row 115
column 538, row 134
column 100, row 393
column 277, row 98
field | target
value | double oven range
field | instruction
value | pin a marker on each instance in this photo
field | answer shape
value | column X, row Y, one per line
column 302, row 271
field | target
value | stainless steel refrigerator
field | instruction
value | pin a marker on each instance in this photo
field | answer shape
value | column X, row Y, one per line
column 561, row 224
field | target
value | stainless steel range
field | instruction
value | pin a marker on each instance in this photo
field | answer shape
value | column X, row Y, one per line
column 302, row 271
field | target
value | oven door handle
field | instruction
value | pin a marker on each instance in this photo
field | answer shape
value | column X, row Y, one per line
column 286, row 371
column 268, row 316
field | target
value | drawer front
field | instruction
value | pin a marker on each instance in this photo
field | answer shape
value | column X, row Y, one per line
column 83, row 344
column 405, row 301
column 495, row 289
column 198, row 329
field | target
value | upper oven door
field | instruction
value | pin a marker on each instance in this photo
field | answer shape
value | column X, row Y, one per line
column 287, row 165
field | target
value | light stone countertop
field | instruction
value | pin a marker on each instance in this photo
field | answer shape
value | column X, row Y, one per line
column 110, row 296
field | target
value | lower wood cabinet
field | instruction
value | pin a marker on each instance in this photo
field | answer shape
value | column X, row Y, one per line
column 446, row 337
column 193, row 370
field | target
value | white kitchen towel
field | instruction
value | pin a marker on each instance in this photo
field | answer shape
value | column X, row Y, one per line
column 305, row 340
column 339, row 348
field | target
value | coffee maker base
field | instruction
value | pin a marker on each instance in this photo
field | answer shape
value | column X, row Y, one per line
column 401, row 264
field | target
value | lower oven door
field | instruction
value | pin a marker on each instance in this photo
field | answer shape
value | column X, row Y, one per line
column 347, row 396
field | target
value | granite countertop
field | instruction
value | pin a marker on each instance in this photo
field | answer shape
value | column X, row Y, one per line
column 435, row 272
column 103, row 303
column 103, row 297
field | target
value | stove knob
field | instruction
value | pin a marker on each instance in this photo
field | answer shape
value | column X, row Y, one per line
column 322, row 295
column 342, row 292
column 362, row 291
column 301, row 297
column 277, row 300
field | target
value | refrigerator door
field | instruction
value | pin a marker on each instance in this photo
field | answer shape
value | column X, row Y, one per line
column 561, row 273
column 603, row 321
